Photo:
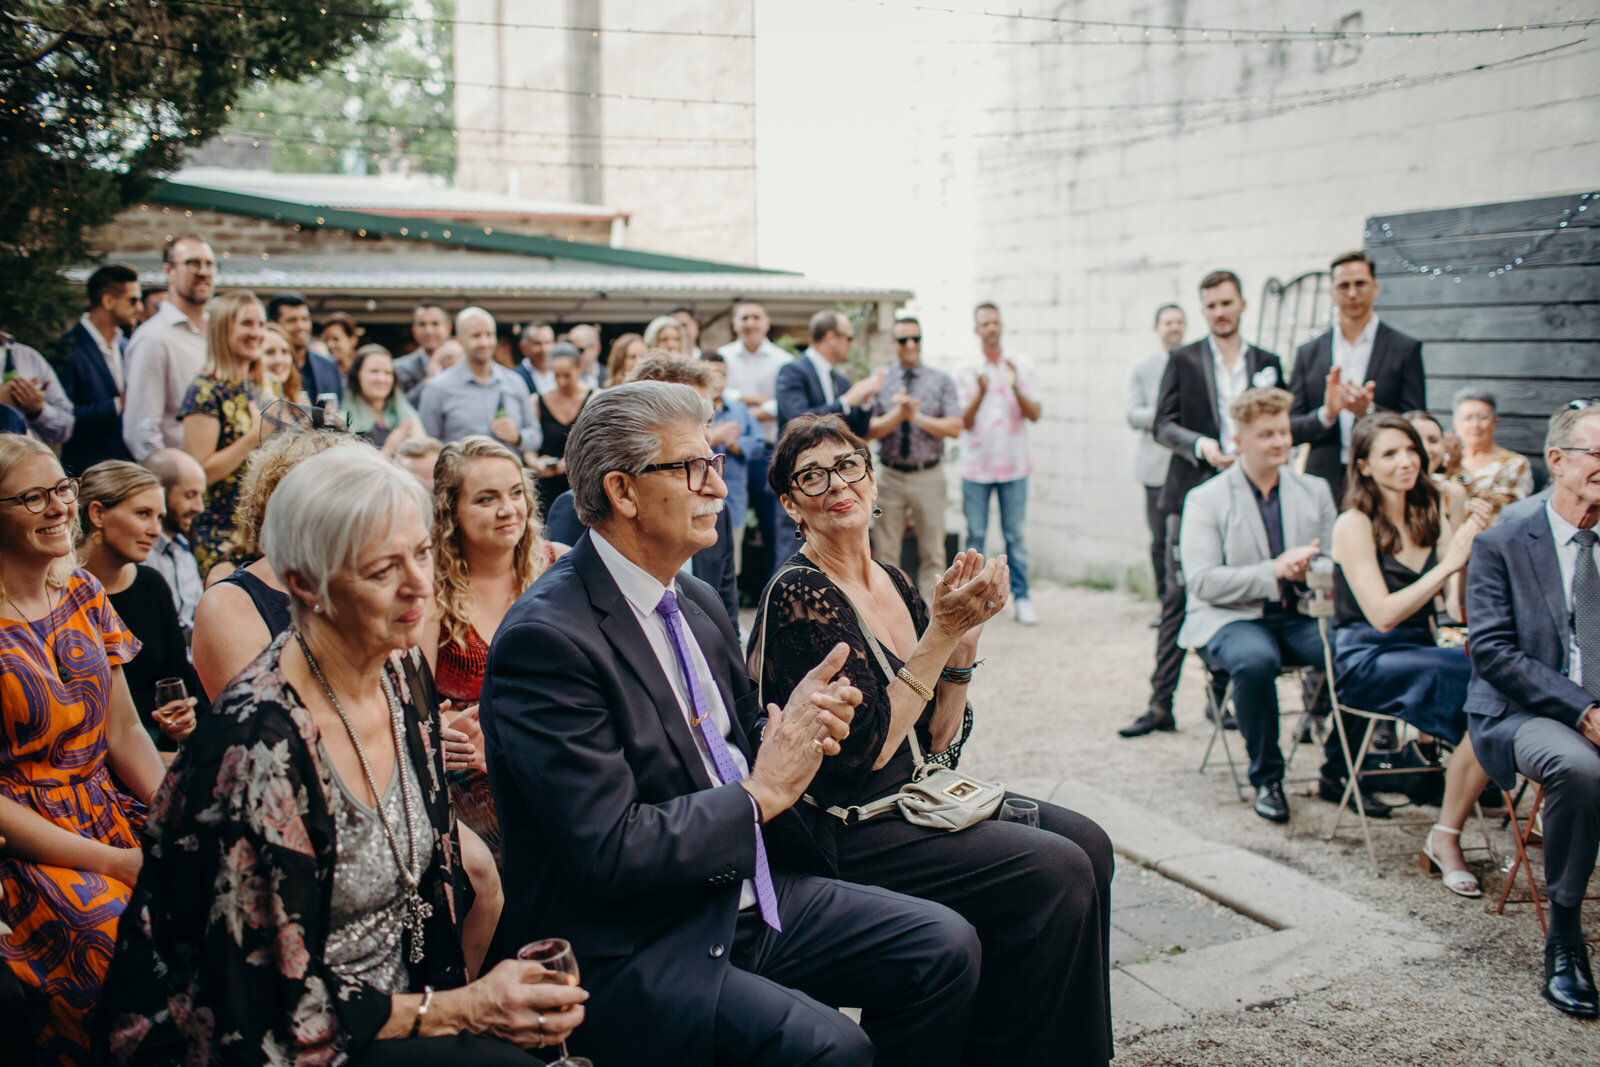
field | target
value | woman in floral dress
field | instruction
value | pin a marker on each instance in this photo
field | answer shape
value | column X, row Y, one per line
column 302, row 886
column 66, row 721
column 221, row 416
column 1488, row 471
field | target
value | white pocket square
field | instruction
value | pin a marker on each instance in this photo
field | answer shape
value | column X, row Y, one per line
column 1264, row 377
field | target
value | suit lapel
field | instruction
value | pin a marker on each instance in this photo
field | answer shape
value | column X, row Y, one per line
column 634, row 652
column 1244, row 499
column 1380, row 349
column 97, row 360
column 1542, row 554
column 1208, row 374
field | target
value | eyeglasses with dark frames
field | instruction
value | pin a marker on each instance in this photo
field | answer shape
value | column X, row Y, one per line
column 37, row 499
column 851, row 468
column 694, row 470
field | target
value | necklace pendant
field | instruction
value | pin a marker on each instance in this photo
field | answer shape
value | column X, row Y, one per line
column 417, row 910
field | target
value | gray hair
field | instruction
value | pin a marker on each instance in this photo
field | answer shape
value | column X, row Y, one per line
column 327, row 509
column 620, row 430
column 1563, row 432
column 1482, row 396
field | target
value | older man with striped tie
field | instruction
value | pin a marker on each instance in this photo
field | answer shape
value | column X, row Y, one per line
column 646, row 795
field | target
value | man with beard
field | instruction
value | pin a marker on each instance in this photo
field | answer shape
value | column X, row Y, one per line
column 167, row 352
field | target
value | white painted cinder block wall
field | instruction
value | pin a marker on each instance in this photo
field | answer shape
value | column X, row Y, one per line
column 1079, row 237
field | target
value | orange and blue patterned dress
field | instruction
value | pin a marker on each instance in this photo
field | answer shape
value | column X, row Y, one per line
column 53, row 761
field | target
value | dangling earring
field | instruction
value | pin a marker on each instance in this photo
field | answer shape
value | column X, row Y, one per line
column 799, row 534
column 97, row 538
column 877, row 512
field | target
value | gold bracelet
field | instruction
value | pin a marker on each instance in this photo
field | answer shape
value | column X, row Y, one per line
column 915, row 683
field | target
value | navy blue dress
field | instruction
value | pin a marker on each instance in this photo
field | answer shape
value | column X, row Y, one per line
column 1403, row 672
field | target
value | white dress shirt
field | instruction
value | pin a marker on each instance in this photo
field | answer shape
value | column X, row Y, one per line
column 756, row 374
column 643, row 592
column 110, row 348
column 1229, row 386
column 163, row 360
column 1567, row 558
column 1353, row 358
column 824, row 371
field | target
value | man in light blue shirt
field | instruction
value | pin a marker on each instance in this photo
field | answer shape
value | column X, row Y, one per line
column 478, row 396
column 184, row 482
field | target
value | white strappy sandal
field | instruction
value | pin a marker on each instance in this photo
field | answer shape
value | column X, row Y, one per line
column 1460, row 882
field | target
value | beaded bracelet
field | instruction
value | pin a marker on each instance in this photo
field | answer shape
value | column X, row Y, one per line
column 958, row 675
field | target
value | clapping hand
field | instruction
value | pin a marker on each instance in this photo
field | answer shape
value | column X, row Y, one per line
column 25, row 394
column 969, row 593
column 1480, row 513
column 810, row 726
column 1293, row 564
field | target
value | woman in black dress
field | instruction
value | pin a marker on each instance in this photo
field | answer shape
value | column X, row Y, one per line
column 1040, row 897
column 122, row 505
column 558, row 410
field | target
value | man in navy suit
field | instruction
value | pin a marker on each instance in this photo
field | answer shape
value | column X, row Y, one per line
column 646, row 807
column 1533, row 601
column 93, row 374
column 319, row 374
column 1360, row 365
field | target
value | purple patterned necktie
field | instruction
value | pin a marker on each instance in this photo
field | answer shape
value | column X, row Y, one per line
column 727, row 770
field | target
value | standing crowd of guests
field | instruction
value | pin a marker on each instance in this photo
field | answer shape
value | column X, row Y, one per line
column 1400, row 512
column 312, row 719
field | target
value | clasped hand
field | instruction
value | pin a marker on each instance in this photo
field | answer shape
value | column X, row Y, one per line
column 969, row 594
column 810, row 726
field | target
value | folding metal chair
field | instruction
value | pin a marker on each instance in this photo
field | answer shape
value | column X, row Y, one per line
column 1322, row 610
column 1217, row 711
column 1520, row 833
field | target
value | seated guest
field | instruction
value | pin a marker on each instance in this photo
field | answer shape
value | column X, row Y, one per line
column 558, row 408
column 478, row 395
column 1533, row 599
column 626, row 352
column 642, row 821
column 1247, row 539
column 1529, row 504
column 94, row 373
column 184, row 481
column 240, row 615
column 375, row 407
column 1452, row 494
column 277, row 367
column 1488, row 471
column 1039, row 898
column 417, row 456
column 713, row 565
column 486, row 553
column 121, row 505
column 1387, row 570
column 302, row 893
column 72, row 838
column 221, row 418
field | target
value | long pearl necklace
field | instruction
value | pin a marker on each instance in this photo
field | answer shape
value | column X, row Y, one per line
column 417, row 909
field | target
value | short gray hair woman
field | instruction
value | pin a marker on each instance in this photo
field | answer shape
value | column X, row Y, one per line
column 620, row 430
column 314, row 798
column 1488, row 470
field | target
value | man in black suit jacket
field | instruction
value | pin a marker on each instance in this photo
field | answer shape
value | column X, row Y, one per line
column 93, row 373
column 642, row 822
column 1533, row 597
column 1192, row 420
column 1360, row 365
column 319, row 375
column 801, row 389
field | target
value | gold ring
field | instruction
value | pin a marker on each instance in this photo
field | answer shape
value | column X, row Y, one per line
column 816, row 746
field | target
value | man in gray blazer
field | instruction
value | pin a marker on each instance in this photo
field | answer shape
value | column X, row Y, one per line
column 1247, row 540
column 1150, row 459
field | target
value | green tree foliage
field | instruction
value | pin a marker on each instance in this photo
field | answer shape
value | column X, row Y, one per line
column 100, row 99
column 389, row 106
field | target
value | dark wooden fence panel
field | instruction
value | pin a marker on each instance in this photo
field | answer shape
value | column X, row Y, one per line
column 1504, row 297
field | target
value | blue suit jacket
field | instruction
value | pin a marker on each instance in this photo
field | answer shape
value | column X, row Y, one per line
column 616, row 838
column 319, row 374
column 87, row 381
column 799, row 392
column 1519, row 638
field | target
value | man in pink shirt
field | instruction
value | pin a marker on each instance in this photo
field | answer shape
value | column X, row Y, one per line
column 999, row 396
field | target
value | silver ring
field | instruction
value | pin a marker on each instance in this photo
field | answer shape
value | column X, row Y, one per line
column 541, row 1022
column 816, row 746
column 991, row 605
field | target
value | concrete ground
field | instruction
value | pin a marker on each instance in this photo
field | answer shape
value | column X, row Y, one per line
column 1327, row 964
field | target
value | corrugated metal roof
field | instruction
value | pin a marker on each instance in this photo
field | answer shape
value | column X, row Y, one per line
column 363, row 192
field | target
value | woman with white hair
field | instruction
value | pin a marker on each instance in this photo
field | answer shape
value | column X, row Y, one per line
column 666, row 333
column 302, row 886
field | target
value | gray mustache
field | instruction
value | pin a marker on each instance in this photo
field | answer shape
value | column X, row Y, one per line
column 710, row 507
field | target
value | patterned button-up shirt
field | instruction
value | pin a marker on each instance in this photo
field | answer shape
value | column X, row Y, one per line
column 937, row 391
column 995, row 449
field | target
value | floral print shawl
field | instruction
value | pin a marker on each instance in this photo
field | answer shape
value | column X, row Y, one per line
column 219, row 957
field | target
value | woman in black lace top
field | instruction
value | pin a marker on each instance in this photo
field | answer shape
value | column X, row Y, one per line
column 1039, row 897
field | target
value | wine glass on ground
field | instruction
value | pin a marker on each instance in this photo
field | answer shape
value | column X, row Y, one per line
column 560, row 967
column 1016, row 809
